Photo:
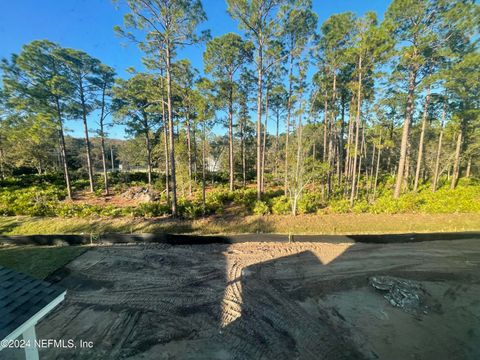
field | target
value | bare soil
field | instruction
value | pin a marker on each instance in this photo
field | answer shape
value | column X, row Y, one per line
column 268, row 301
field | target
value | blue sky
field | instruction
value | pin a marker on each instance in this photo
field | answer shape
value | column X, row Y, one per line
column 88, row 25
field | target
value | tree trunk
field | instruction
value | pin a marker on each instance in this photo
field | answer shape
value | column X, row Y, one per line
column 372, row 168
column 456, row 164
column 332, row 136
column 264, row 144
column 230, row 134
column 87, row 140
column 378, row 168
column 325, row 127
column 405, row 133
column 357, row 130
column 112, row 159
column 194, row 148
column 298, row 183
column 165, row 141
column 469, row 167
column 204, row 206
column 2, row 167
column 276, row 142
column 362, row 155
column 170, row 130
column 63, row 150
column 406, row 176
column 259, row 122
column 102, row 142
column 287, row 128
column 340, row 144
column 167, row 162
column 422, row 137
column 439, row 152
column 189, row 154
column 149, row 151
column 242, row 149
column 348, row 165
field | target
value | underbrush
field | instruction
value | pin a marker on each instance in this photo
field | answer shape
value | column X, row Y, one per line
column 38, row 198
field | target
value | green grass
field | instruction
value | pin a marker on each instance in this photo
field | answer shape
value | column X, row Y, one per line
column 302, row 224
column 38, row 261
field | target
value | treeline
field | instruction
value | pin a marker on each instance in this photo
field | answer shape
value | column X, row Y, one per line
column 392, row 99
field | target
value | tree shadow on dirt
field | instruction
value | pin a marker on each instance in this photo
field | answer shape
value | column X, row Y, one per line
column 271, row 322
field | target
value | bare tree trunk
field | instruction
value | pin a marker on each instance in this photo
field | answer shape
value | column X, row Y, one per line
column 165, row 141
column 298, row 186
column 422, row 137
column 259, row 122
column 230, row 134
column 469, row 167
column 456, row 164
column 349, row 144
column 372, row 167
column 357, row 130
column 362, row 155
column 349, row 164
column 204, row 206
column 264, row 144
column 325, row 128
column 276, row 144
column 167, row 162
column 2, row 167
column 170, row 130
column 439, row 152
column 102, row 141
column 289, row 114
column 242, row 149
column 112, row 158
column 87, row 140
column 332, row 136
column 405, row 134
column 189, row 154
column 194, row 148
column 63, row 150
column 406, row 176
column 378, row 168
column 149, row 153
column 341, row 159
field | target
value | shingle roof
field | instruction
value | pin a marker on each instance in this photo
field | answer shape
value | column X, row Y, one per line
column 21, row 297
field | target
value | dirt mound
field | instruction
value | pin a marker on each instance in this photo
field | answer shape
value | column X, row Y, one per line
column 141, row 194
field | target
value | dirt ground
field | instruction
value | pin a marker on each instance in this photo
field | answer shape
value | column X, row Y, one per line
column 268, row 301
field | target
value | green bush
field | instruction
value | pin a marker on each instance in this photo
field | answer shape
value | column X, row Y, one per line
column 151, row 209
column 245, row 198
column 309, row 203
column 190, row 209
column 32, row 201
column 340, row 206
column 261, row 208
column 281, row 205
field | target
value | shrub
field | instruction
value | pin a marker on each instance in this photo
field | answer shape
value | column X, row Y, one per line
column 151, row 209
column 341, row 206
column 190, row 209
column 245, row 198
column 309, row 203
column 281, row 205
column 261, row 208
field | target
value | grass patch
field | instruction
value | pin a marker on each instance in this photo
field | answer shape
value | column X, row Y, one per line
column 283, row 224
column 38, row 261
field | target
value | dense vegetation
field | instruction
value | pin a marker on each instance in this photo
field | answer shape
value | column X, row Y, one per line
column 379, row 116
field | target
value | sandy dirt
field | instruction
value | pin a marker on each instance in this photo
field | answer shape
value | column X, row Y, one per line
column 268, row 301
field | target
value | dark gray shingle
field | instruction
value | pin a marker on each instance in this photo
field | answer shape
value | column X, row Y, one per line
column 21, row 297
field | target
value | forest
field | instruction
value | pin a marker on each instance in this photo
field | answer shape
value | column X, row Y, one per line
column 378, row 113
